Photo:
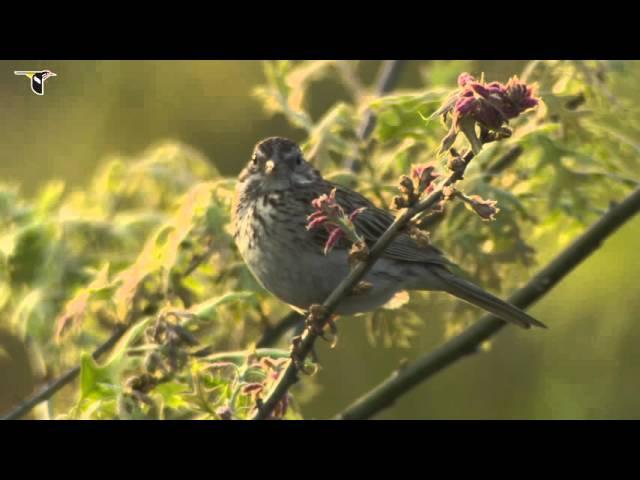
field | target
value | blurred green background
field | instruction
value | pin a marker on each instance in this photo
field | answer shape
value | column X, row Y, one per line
column 585, row 366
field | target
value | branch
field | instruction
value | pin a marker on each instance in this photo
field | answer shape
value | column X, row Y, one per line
column 316, row 323
column 273, row 334
column 504, row 162
column 198, row 260
column 47, row 392
column 467, row 342
column 387, row 78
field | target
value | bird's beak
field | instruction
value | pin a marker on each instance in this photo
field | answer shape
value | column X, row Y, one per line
column 51, row 74
column 269, row 167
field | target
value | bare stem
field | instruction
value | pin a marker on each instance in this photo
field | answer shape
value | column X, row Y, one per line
column 402, row 381
column 272, row 334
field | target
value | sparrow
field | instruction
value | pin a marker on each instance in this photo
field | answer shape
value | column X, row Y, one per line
column 272, row 203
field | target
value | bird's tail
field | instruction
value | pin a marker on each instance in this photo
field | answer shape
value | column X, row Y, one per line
column 475, row 295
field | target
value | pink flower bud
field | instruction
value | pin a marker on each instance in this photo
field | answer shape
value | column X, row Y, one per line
column 465, row 105
column 334, row 236
column 315, row 214
column 520, row 96
column 496, row 88
column 317, row 221
column 319, row 202
column 479, row 89
column 465, row 78
column 419, row 170
column 488, row 104
column 355, row 213
column 424, row 174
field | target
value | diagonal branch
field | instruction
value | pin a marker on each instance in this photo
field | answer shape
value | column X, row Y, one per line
column 467, row 342
column 272, row 334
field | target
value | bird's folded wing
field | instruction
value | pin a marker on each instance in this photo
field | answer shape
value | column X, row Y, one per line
column 372, row 222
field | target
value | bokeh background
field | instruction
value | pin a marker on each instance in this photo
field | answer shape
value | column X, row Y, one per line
column 587, row 365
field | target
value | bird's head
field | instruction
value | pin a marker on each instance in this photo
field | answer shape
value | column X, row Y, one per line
column 48, row 73
column 278, row 164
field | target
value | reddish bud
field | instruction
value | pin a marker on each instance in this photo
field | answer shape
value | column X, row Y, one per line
column 335, row 235
column 425, row 175
column 490, row 105
column 252, row 388
column 485, row 208
column 465, row 78
column 319, row 220
column 406, row 185
column 224, row 413
column 268, row 363
column 465, row 105
column 355, row 213
column 456, row 164
column 479, row 89
column 496, row 88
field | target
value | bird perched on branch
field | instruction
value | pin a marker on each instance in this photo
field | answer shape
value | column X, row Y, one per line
column 274, row 198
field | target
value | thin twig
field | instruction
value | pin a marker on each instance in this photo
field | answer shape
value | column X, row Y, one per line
column 467, row 342
column 387, row 78
column 316, row 324
column 505, row 161
column 47, row 392
column 198, row 260
column 272, row 334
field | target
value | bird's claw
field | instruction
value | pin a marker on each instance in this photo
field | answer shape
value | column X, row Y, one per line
column 316, row 321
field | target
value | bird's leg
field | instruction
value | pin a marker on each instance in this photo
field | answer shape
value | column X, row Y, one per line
column 316, row 313
column 333, row 329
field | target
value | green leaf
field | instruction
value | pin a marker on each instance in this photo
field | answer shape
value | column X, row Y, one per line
column 402, row 116
column 172, row 394
column 30, row 250
column 100, row 380
column 50, row 197
column 91, row 375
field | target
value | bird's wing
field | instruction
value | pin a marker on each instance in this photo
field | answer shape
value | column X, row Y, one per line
column 371, row 223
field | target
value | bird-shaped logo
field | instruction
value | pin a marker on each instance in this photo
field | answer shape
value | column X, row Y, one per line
column 37, row 79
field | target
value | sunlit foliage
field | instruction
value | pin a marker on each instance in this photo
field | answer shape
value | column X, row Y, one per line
column 147, row 243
